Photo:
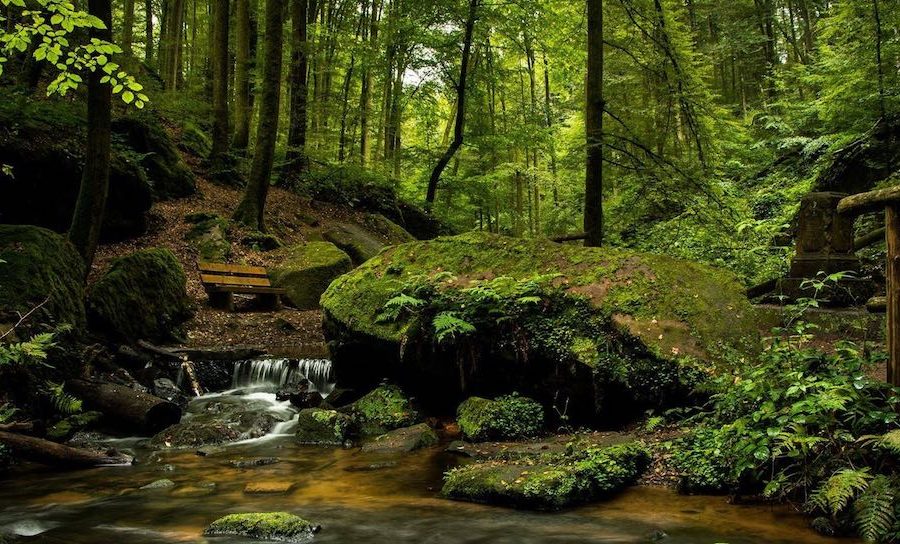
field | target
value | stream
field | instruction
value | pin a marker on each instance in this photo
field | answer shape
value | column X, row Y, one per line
column 356, row 497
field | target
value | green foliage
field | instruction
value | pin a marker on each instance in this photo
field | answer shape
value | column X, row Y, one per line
column 63, row 402
column 31, row 351
column 381, row 410
column 837, row 492
column 509, row 417
column 875, row 511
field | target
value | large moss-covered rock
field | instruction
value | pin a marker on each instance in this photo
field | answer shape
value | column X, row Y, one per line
column 404, row 440
column 381, row 410
column 617, row 328
column 509, row 417
column 355, row 241
column 323, row 427
column 167, row 172
column 305, row 271
column 37, row 264
column 552, row 481
column 141, row 296
column 209, row 233
column 218, row 422
column 272, row 526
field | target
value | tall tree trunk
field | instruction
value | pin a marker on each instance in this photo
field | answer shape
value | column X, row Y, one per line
column 879, row 38
column 593, row 186
column 345, row 108
column 548, row 120
column 365, row 99
column 127, row 26
column 296, row 161
column 251, row 209
column 242, row 112
column 148, row 31
column 174, row 32
column 459, row 130
column 220, row 132
column 87, row 219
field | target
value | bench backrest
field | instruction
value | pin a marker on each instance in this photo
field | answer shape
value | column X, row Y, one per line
column 233, row 274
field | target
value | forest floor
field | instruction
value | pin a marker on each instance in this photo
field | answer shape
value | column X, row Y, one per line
column 294, row 219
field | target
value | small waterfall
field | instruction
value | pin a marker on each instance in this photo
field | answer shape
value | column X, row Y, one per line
column 284, row 372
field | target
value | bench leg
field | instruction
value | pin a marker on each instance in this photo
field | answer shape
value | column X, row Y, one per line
column 222, row 300
column 272, row 302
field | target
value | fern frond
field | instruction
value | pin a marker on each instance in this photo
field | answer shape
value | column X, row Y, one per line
column 873, row 511
column 891, row 441
column 63, row 402
column 6, row 412
column 836, row 493
column 447, row 325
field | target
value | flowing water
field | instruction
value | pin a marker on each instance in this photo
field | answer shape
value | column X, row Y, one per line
column 356, row 497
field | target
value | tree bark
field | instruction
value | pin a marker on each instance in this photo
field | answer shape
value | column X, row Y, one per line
column 127, row 26
column 148, row 31
column 593, row 186
column 879, row 38
column 251, row 209
column 296, row 162
column 57, row 455
column 365, row 99
column 459, row 129
column 242, row 112
column 128, row 408
column 87, row 220
column 220, row 130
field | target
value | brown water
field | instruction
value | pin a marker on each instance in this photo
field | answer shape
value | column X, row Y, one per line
column 357, row 498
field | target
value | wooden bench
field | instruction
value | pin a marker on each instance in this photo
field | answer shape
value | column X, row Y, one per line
column 222, row 281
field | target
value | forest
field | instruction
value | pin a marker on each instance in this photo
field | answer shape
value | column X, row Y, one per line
column 450, row 271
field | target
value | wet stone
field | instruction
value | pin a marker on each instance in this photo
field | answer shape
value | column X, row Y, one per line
column 159, row 484
column 268, row 488
column 254, row 462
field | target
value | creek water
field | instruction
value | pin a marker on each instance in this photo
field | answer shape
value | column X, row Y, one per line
column 356, row 497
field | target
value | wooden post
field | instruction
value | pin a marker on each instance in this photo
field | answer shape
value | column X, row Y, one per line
column 892, row 234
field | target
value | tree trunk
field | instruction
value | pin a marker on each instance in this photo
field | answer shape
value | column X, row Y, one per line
column 128, row 408
column 365, row 100
column 87, row 220
column 296, row 162
column 459, row 130
column 548, row 120
column 879, row 38
column 148, row 30
column 251, row 209
column 242, row 112
column 593, row 186
column 57, row 455
column 219, row 154
column 174, row 30
column 127, row 26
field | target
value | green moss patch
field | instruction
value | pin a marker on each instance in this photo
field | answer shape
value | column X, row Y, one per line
column 355, row 241
column 277, row 526
column 510, row 417
column 552, row 481
column 210, row 235
column 141, row 296
column 381, row 410
column 325, row 427
column 403, row 440
column 307, row 270
column 66, row 428
column 37, row 264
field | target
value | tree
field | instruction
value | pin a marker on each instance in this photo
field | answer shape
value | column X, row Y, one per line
column 295, row 161
column 593, row 122
column 220, row 130
column 242, row 106
column 251, row 209
column 459, row 128
column 87, row 220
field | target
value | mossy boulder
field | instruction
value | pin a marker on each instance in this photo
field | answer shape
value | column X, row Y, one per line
column 305, row 271
column 261, row 241
column 614, row 329
column 66, row 428
column 272, row 526
column 509, row 417
column 405, row 440
column 218, row 423
column 382, row 410
column 355, row 241
column 141, row 296
column 387, row 229
column 209, row 233
column 552, row 481
column 323, row 427
column 38, row 264
column 167, row 172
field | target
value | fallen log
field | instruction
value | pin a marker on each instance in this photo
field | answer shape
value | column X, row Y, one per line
column 18, row 427
column 569, row 237
column 877, row 235
column 57, row 455
column 131, row 409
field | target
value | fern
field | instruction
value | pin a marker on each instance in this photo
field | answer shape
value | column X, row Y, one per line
column 35, row 350
column 873, row 511
column 447, row 325
column 395, row 307
column 6, row 412
column 890, row 441
column 63, row 402
column 836, row 493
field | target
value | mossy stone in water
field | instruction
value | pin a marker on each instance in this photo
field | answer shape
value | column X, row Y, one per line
column 40, row 264
column 381, row 410
column 141, row 296
column 321, row 426
column 277, row 526
column 307, row 270
column 403, row 440
column 507, row 418
column 550, row 482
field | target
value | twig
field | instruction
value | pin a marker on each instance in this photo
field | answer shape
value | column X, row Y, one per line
column 24, row 318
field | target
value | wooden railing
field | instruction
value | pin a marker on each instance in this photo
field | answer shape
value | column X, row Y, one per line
column 889, row 201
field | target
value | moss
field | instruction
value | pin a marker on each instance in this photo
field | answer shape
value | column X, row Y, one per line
column 195, row 140
column 261, row 241
column 392, row 232
column 381, row 410
column 506, row 418
column 144, row 133
column 552, row 481
column 307, row 270
column 37, row 264
column 65, row 429
column 151, row 280
column 209, row 234
column 404, row 440
column 277, row 526
column 320, row 426
column 356, row 242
